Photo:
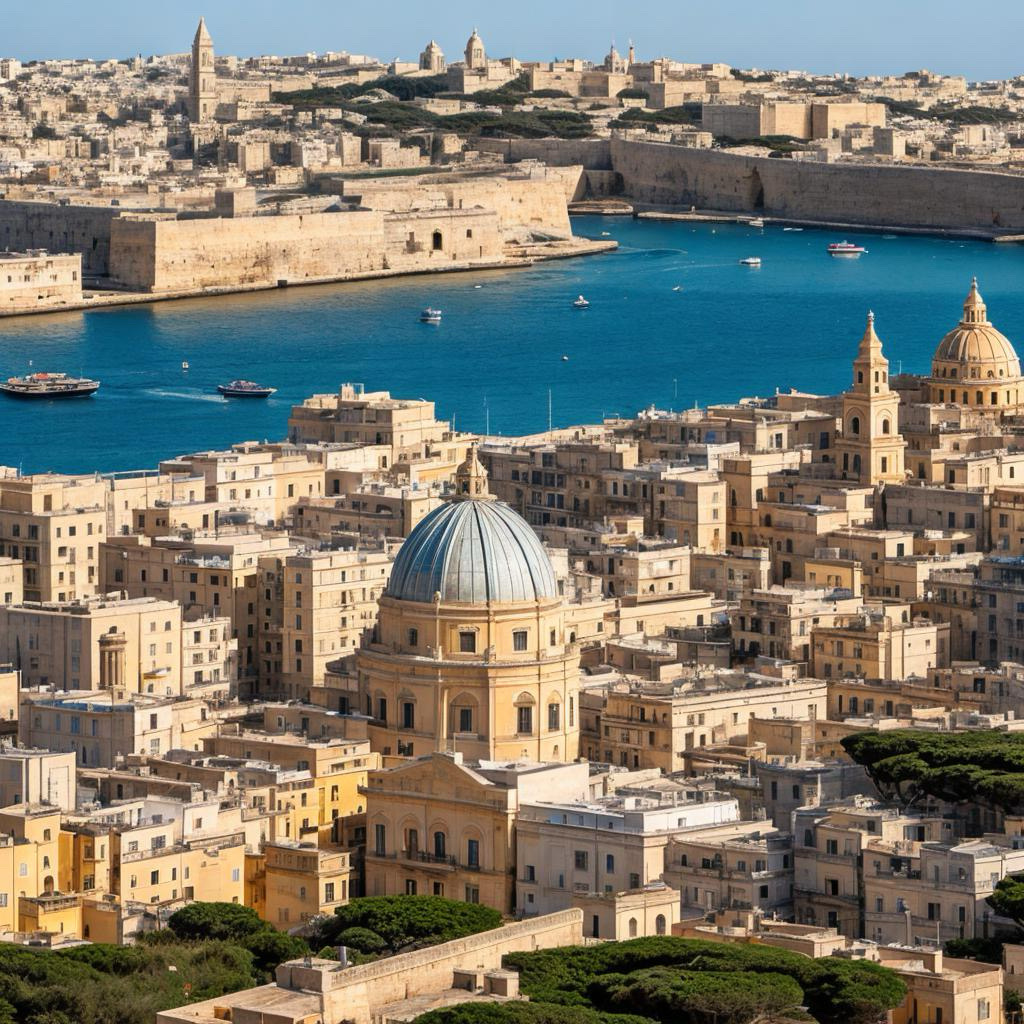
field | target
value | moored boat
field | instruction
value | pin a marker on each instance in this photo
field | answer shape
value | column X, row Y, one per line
column 751, row 261
column 245, row 389
column 757, row 222
column 846, row 249
column 49, row 385
column 580, row 303
column 430, row 316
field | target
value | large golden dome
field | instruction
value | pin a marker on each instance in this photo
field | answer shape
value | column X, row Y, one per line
column 974, row 349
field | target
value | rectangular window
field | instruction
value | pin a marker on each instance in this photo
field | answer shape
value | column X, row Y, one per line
column 472, row 894
column 408, row 714
column 581, row 859
column 524, row 720
column 328, row 892
column 473, row 853
column 467, row 642
column 465, row 719
column 380, row 834
column 519, row 640
column 609, row 863
column 553, row 716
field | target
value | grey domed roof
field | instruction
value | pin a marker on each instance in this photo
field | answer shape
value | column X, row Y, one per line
column 472, row 551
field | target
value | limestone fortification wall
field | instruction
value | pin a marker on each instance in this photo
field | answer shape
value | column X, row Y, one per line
column 358, row 991
column 538, row 201
column 85, row 229
column 164, row 255
column 593, row 154
column 858, row 194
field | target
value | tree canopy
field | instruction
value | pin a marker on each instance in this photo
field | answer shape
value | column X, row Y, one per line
column 982, row 767
column 1007, row 899
column 667, row 978
column 373, row 925
column 522, row 1013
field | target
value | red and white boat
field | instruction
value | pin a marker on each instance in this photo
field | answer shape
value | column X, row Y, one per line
column 846, row 249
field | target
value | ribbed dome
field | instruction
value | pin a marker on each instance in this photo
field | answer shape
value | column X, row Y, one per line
column 473, row 552
column 974, row 349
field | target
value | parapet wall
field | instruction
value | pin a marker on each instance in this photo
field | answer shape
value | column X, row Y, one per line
column 356, row 992
column 593, row 154
column 921, row 197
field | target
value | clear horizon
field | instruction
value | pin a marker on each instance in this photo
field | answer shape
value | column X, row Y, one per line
column 873, row 37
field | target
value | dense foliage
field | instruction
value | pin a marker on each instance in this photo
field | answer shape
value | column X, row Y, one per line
column 375, row 925
column 776, row 143
column 950, row 113
column 523, row 1013
column 982, row 767
column 102, row 984
column 668, row 979
column 232, row 922
column 1007, row 899
column 633, row 117
column 401, row 87
column 986, row 951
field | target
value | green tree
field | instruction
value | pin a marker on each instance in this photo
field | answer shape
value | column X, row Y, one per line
column 701, row 997
column 524, row 1013
column 406, row 922
column 216, row 921
column 1007, row 899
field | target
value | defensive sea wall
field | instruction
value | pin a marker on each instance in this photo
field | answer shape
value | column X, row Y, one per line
column 920, row 197
column 28, row 225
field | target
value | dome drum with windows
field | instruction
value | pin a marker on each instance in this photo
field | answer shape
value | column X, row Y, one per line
column 975, row 364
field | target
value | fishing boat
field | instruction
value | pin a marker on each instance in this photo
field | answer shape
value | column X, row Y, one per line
column 751, row 261
column 848, row 250
column 49, row 385
column 245, row 389
column 430, row 316
column 580, row 303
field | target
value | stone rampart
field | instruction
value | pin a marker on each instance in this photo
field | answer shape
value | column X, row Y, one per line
column 86, row 229
column 157, row 255
column 594, row 154
column 920, row 197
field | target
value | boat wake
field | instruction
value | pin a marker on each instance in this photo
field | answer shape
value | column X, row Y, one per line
column 195, row 396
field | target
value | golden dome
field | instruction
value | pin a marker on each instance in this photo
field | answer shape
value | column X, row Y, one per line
column 974, row 349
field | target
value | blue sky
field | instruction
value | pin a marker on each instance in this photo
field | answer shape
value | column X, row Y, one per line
column 980, row 40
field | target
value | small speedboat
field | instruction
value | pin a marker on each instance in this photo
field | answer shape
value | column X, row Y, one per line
column 565, row 359
column 245, row 389
column 756, row 223
column 184, row 364
column 430, row 316
column 846, row 249
column 580, row 303
column 751, row 261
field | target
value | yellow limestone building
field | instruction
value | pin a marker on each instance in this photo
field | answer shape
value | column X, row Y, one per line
column 870, row 449
column 975, row 365
column 470, row 652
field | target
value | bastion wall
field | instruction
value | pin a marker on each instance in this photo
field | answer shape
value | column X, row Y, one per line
column 853, row 193
column 85, row 229
column 156, row 255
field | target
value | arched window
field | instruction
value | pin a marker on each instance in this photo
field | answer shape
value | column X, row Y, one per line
column 659, row 924
column 855, row 425
column 440, row 844
column 885, row 426
column 438, row 241
column 632, row 927
column 860, row 376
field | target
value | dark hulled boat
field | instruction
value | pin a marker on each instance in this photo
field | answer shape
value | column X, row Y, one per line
column 49, row 385
column 244, row 389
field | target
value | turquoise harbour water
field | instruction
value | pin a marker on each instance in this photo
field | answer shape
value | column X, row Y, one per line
column 674, row 320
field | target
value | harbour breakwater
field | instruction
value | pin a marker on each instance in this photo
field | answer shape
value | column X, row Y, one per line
column 879, row 195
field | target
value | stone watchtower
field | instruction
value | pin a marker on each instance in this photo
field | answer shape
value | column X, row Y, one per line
column 202, row 79
column 870, row 448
